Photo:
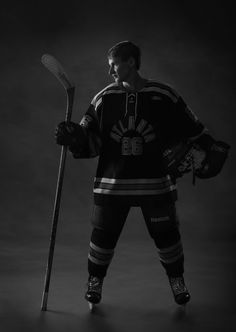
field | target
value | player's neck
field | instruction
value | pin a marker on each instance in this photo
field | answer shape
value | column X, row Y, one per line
column 134, row 82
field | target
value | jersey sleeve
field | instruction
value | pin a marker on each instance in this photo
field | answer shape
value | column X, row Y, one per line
column 184, row 123
column 92, row 143
column 187, row 126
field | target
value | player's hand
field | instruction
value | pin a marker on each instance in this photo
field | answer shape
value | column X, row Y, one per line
column 66, row 133
column 215, row 160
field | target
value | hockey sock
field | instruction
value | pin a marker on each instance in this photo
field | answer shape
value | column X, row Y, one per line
column 101, row 251
column 172, row 259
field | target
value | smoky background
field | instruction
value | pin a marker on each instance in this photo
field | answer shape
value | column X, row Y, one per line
column 189, row 45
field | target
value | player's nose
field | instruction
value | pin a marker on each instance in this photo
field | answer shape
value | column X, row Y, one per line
column 111, row 71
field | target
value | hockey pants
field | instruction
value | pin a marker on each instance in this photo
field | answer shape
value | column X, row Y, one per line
column 162, row 224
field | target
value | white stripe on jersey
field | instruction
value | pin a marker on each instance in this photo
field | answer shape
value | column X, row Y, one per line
column 97, row 101
column 113, row 91
column 112, row 87
column 133, row 181
column 172, row 96
column 134, row 192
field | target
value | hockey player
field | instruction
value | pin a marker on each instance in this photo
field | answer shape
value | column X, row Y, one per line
column 128, row 125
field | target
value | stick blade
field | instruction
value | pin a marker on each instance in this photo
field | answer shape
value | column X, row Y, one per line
column 54, row 66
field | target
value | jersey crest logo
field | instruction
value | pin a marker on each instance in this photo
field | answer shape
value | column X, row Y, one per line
column 133, row 138
column 131, row 98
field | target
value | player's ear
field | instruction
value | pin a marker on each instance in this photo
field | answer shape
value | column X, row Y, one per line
column 131, row 62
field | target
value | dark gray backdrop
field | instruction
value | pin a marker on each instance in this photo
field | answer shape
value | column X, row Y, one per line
column 188, row 44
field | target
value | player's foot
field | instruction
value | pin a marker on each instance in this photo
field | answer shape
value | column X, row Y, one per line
column 94, row 292
column 179, row 289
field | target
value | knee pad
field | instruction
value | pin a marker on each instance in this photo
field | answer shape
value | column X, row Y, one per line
column 163, row 224
column 104, row 239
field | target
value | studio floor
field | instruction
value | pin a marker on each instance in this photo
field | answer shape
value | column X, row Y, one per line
column 136, row 294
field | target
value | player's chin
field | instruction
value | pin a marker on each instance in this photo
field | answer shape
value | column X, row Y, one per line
column 117, row 79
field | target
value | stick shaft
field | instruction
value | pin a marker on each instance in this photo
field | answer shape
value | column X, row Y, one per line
column 56, row 210
column 70, row 101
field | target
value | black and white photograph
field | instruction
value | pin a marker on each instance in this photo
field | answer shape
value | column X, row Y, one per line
column 118, row 166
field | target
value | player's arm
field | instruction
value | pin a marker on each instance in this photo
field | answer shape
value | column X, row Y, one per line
column 189, row 127
column 91, row 129
column 83, row 139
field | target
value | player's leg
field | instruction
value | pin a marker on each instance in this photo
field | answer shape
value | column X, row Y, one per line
column 107, row 222
column 163, row 226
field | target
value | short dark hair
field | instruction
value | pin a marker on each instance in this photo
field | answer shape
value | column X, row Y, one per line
column 124, row 50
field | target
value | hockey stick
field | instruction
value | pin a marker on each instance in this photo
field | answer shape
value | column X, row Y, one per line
column 56, row 69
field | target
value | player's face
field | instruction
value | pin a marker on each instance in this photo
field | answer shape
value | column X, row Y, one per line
column 119, row 70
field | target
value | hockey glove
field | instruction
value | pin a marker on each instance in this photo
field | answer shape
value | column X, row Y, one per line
column 189, row 156
column 69, row 134
column 214, row 161
column 182, row 158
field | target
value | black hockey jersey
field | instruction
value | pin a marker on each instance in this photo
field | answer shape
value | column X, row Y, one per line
column 129, row 131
